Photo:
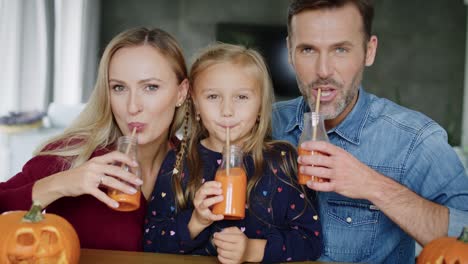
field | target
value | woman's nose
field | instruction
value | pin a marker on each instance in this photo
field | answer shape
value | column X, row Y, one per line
column 134, row 103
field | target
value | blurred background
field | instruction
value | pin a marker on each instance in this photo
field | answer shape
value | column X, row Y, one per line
column 49, row 51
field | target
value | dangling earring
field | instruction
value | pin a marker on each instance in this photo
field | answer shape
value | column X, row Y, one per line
column 197, row 117
column 178, row 105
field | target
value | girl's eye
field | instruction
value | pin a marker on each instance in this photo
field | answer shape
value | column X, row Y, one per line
column 212, row 96
column 118, row 88
column 243, row 97
column 152, row 87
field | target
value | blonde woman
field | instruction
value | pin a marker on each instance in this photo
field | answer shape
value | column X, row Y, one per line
column 142, row 84
column 231, row 88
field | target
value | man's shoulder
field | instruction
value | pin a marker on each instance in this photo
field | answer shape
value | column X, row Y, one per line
column 400, row 116
column 287, row 104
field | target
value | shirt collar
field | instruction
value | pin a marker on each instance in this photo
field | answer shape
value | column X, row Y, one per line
column 298, row 121
column 351, row 127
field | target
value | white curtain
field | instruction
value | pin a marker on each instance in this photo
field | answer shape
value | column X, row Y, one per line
column 76, row 49
column 24, row 31
column 48, row 52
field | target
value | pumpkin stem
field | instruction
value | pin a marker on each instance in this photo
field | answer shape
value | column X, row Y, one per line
column 34, row 214
column 464, row 235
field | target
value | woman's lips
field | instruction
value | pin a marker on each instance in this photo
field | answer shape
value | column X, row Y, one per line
column 136, row 125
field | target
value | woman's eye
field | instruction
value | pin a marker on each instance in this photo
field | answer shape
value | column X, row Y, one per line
column 152, row 87
column 307, row 50
column 212, row 96
column 118, row 88
column 243, row 97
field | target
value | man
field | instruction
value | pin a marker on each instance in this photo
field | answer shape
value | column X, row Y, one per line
column 392, row 176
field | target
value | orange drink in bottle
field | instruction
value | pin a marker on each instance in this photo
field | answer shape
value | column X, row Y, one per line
column 314, row 130
column 127, row 202
column 233, row 179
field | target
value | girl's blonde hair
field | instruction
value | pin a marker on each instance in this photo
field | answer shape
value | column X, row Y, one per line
column 252, row 63
column 95, row 127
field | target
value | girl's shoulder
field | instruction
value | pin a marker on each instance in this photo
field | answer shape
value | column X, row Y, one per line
column 278, row 149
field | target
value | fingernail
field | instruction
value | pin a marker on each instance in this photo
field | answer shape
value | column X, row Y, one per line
column 132, row 190
column 115, row 204
column 138, row 181
column 134, row 163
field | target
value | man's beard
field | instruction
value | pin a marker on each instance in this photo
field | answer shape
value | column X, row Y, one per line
column 340, row 104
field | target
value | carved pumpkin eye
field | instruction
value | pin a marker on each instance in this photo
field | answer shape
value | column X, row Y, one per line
column 49, row 243
column 25, row 239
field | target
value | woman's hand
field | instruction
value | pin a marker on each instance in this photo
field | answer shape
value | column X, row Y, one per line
column 87, row 178
column 209, row 194
column 231, row 245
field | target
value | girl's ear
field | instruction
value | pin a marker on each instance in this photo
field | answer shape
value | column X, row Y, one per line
column 183, row 91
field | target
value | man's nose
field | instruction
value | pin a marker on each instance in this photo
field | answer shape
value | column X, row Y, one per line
column 324, row 66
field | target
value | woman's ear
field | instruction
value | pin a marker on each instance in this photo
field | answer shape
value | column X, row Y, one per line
column 183, row 90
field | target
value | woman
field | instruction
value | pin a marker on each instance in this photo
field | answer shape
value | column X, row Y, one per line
column 141, row 85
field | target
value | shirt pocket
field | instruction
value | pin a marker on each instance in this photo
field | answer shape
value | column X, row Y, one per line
column 350, row 230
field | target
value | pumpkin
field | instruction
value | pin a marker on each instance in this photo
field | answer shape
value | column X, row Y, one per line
column 37, row 238
column 446, row 250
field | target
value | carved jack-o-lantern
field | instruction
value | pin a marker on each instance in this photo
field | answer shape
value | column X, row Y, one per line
column 37, row 238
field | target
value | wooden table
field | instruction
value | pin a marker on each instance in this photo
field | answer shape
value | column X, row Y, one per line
column 110, row 257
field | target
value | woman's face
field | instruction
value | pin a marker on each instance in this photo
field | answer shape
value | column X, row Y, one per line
column 226, row 95
column 144, row 92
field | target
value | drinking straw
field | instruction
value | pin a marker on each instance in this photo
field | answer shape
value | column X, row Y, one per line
column 317, row 108
column 228, row 151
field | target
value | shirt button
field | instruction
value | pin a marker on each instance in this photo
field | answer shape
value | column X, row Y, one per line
column 349, row 219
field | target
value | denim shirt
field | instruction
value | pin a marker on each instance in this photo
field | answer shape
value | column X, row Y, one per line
column 399, row 143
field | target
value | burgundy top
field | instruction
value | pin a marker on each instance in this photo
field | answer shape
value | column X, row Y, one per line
column 98, row 226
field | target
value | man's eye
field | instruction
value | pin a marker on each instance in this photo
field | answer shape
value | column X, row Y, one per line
column 118, row 88
column 152, row 87
column 341, row 50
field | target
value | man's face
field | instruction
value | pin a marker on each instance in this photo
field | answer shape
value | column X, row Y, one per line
column 326, row 48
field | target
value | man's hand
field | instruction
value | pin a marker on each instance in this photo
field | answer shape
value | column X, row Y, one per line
column 348, row 176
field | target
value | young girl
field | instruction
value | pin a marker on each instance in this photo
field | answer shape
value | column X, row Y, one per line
column 231, row 88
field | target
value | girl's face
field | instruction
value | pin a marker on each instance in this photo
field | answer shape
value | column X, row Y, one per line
column 226, row 95
column 144, row 92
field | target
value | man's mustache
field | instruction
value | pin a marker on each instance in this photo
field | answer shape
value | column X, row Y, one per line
column 324, row 82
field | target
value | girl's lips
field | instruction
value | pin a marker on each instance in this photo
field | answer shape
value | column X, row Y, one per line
column 138, row 126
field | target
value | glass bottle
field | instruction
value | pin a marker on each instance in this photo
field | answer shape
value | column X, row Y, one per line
column 314, row 130
column 127, row 202
column 231, row 174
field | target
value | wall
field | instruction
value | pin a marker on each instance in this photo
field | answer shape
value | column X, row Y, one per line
column 420, row 60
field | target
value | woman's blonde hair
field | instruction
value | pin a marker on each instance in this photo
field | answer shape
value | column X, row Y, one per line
column 259, row 141
column 95, row 127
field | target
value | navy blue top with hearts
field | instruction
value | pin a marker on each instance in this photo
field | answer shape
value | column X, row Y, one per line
column 277, row 213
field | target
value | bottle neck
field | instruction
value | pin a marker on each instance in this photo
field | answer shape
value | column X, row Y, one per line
column 232, row 157
column 128, row 145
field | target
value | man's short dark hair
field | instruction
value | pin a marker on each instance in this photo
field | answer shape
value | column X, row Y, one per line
column 365, row 7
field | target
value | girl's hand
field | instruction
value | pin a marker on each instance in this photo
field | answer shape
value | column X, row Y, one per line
column 87, row 178
column 231, row 245
column 209, row 194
